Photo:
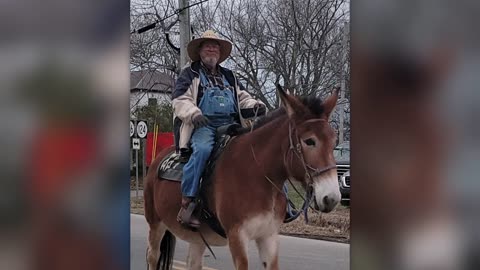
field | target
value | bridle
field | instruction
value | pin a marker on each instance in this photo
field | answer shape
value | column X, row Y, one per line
column 296, row 148
column 310, row 171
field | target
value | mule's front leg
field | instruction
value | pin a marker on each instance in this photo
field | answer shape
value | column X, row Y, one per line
column 268, row 251
column 195, row 256
column 238, row 245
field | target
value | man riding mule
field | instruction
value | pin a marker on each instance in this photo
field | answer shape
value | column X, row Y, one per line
column 206, row 97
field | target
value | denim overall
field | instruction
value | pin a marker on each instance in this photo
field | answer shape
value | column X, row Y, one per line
column 218, row 105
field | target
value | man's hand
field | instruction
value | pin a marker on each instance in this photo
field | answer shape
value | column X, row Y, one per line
column 200, row 121
column 259, row 109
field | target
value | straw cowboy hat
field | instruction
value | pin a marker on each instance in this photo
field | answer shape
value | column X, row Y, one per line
column 193, row 47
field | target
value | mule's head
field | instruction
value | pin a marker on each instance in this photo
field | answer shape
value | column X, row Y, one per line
column 311, row 142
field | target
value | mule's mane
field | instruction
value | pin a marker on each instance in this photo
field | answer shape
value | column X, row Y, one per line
column 312, row 103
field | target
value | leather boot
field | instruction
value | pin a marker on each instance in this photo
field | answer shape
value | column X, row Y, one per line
column 289, row 215
column 185, row 215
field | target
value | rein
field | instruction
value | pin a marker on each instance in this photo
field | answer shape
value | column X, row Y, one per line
column 306, row 201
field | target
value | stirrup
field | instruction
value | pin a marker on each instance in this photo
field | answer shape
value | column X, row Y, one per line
column 186, row 218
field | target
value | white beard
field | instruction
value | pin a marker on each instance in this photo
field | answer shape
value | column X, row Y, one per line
column 210, row 61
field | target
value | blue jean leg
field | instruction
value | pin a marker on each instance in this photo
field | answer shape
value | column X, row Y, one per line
column 285, row 191
column 202, row 145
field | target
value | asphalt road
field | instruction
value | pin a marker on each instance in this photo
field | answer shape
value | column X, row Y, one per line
column 295, row 253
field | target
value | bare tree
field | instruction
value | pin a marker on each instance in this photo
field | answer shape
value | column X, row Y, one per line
column 292, row 42
column 150, row 50
column 296, row 43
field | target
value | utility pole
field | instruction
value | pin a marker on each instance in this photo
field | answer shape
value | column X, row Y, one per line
column 184, row 18
column 342, row 85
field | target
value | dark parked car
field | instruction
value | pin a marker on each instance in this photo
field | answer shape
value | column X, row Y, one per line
column 342, row 157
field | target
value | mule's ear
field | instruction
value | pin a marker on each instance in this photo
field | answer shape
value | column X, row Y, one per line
column 329, row 103
column 288, row 102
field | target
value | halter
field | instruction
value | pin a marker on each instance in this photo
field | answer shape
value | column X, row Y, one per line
column 309, row 170
column 297, row 149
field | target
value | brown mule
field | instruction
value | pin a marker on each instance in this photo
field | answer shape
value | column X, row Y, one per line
column 246, row 194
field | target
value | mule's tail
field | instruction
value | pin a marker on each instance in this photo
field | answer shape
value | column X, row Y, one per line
column 167, row 250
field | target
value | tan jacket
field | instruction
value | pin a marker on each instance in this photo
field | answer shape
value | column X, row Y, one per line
column 185, row 99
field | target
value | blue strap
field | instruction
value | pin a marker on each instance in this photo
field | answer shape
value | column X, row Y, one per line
column 203, row 79
column 225, row 82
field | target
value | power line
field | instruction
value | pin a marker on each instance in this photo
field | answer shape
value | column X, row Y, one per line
column 154, row 24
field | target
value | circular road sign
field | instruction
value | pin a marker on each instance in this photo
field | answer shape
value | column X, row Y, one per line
column 132, row 129
column 142, row 129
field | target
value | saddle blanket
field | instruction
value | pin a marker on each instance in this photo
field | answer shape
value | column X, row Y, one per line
column 171, row 168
